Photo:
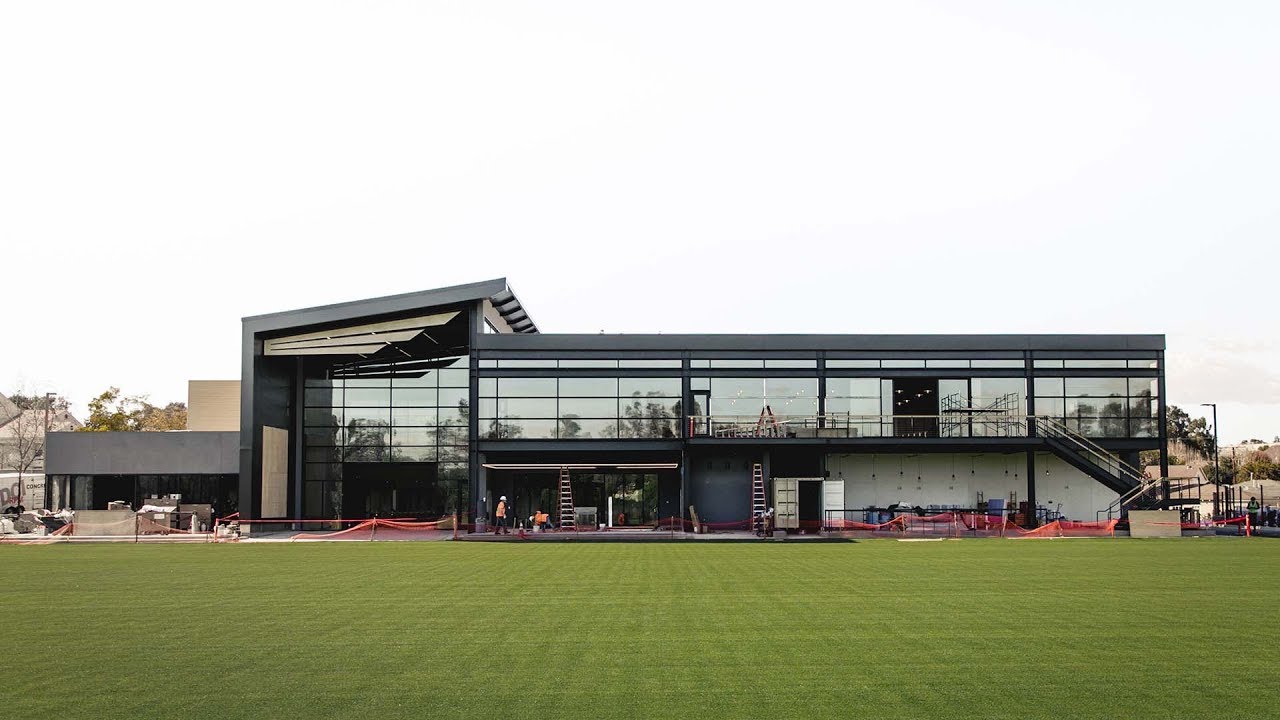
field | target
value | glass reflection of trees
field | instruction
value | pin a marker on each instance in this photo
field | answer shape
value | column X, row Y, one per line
column 1100, row 407
column 580, row 408
column 393, row 414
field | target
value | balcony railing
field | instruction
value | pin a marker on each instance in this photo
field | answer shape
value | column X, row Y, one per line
column 844, row 426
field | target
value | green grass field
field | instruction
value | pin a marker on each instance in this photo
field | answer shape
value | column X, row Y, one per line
column 973, row 629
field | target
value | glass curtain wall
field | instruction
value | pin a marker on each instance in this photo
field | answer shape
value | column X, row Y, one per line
column 634, row 495
column 967, row 406
column 399, row 415
column 579, row 408
column 1101, row 407
column 93, row 492
column 751, row 399
column 857, row 404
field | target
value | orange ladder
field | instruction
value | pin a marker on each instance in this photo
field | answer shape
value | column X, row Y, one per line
column 768, row 425
column 758, row 502
column 568, row 518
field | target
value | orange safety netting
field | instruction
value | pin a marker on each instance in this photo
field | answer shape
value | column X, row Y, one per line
column 1068, row 528
column 949, row 524
column 138, row 525
column 1243, row 524
column 379, row 529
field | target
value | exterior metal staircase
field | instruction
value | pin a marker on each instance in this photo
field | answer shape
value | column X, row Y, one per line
column 1093, row 460
column 1150, row 496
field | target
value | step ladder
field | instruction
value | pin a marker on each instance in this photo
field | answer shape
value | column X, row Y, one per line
column 758, row 502
column 568, row 518
column 767, row 425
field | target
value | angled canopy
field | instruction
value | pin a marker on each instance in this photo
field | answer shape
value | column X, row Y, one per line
column 356, row 339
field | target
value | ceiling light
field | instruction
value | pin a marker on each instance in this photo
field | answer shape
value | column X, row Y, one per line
column 649, row 466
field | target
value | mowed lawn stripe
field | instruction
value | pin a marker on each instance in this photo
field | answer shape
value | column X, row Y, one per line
column 991, row 628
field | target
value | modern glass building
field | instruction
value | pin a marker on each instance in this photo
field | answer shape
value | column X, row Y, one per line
column 424, row 404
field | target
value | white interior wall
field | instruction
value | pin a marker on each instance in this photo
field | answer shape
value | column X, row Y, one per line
column 954, row 479
column 1080, row 495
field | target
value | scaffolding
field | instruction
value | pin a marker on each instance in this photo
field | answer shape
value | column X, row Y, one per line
column 997, row 417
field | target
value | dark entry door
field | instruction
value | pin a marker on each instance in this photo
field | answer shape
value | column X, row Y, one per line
column 391, row 490
column 810, row 493
column 669, row 496
column 108, row 488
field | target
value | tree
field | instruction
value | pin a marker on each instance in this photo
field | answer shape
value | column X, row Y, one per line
column 1112, row 422
column 24, row 420
column 1152, row 457
column 1227, row 471
column 1259, row 466
column 113, row 412
column 569, row 426
column 1195, row 432
column 646, row 416
column 170, row 417
column 56, row 404
column 367, row 440
column 25, row 442
column 23, row 401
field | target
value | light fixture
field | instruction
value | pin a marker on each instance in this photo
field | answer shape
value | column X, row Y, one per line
column 649, row 466
column 537, row 466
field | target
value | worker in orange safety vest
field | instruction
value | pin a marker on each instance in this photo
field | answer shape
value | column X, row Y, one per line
column 500, row 517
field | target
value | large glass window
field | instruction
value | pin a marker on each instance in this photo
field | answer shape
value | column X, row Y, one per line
column 748, row 398
column 1096, row 363
column 852, row 363
column 855, row 403
column 1004, row 393
column 859, row 396
column 571, row 408
column 1101, row 407
column 581, row 362
column 398, row 415
column 943, row 363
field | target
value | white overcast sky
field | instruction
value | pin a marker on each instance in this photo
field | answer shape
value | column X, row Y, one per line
column 169, row 167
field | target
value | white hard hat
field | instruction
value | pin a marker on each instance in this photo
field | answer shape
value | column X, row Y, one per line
column 504, row 497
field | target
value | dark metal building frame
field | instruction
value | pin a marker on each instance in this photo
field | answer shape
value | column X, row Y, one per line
column 267, row 393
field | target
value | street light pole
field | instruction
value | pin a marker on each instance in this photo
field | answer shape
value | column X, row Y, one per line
column 1217, row 460
column 44, row 446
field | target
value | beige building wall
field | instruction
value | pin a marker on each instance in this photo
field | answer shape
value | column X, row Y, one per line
column 1154, row 523
column 275, row 472
column 213, row 404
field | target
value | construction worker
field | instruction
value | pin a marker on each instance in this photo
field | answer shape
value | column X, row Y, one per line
column 500, row 517
column 1253, row 511
column 540, row 520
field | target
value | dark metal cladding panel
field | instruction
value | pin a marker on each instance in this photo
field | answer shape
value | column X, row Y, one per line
column 149, row 453
column 782, row 343
column 373, row 307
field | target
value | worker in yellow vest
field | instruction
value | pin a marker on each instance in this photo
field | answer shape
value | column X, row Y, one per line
column 500, row 517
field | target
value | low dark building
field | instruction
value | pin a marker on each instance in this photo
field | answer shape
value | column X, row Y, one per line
column 87, row 470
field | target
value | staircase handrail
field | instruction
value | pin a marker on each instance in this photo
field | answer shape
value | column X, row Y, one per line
column 1117, row 506
column 1058, row 429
